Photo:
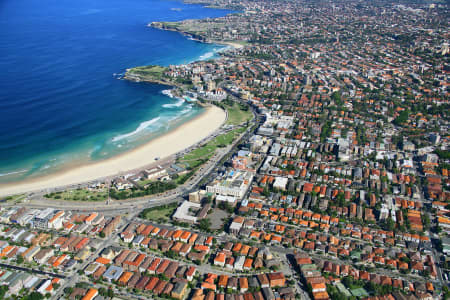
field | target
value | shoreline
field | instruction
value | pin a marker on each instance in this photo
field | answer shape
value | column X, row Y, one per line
column 194, row 37
column 234, row 45
column 174, row 141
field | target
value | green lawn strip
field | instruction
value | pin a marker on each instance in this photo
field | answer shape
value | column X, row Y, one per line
column 237, row 115
column 154, row 187
column 143, row 183
column 183, row 178
column 13, row 198
column 155, row 72
column 192, row 27
column 79, row 195
column 200, row 155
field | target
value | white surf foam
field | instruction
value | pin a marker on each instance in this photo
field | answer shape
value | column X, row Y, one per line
column 12, row 173
column 207, row 55
column 140, row 128
column 186, row 110
column 168, row 93
column 177, row 104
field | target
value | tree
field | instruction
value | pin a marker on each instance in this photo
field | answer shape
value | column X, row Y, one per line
column 336, row 96
column 446, row 292
column 443, row 154
column 438, row 245
column 326, row 131
column 426, row 221
column 389, row 225
column 102, row 291
column 19, row 259
column 402, row 118
column 110, row 293
column 204, row 224
column 334, row 293
column 226, row 206
column 34, row 296
column 170, row 254
column 3, row 290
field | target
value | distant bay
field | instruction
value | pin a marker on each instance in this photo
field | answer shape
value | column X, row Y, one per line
column 60, row 103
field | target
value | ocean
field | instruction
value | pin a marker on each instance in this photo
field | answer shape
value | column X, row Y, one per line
column 60, row 103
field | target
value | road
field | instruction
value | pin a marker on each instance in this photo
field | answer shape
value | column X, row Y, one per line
column 29, row 270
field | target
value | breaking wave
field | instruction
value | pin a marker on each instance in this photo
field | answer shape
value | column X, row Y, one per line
column 177, row 104
column 140, row 128
column 12, row 173
column 207, row 55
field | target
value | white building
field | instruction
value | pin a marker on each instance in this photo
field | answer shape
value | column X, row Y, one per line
column 231, row 200
column 182, row 214
column 280, row 183
column 239, row 263
column 156, row 173
column 234, row 183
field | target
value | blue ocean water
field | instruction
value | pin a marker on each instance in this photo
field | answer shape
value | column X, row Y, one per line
column 59, row 100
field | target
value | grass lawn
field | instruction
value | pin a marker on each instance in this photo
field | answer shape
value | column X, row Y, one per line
column 183, row 178
column 160, row 213
column 13, row 198
column 236, row 115
column 143, row 183
column 359, row 292
column 196, row 27
column 343, row 290
column 200, row 155
column 243, row 43
column 79, row 195
column 155, row 72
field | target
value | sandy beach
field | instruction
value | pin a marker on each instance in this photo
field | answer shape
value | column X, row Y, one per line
column 174, row 141
column 234, row 45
